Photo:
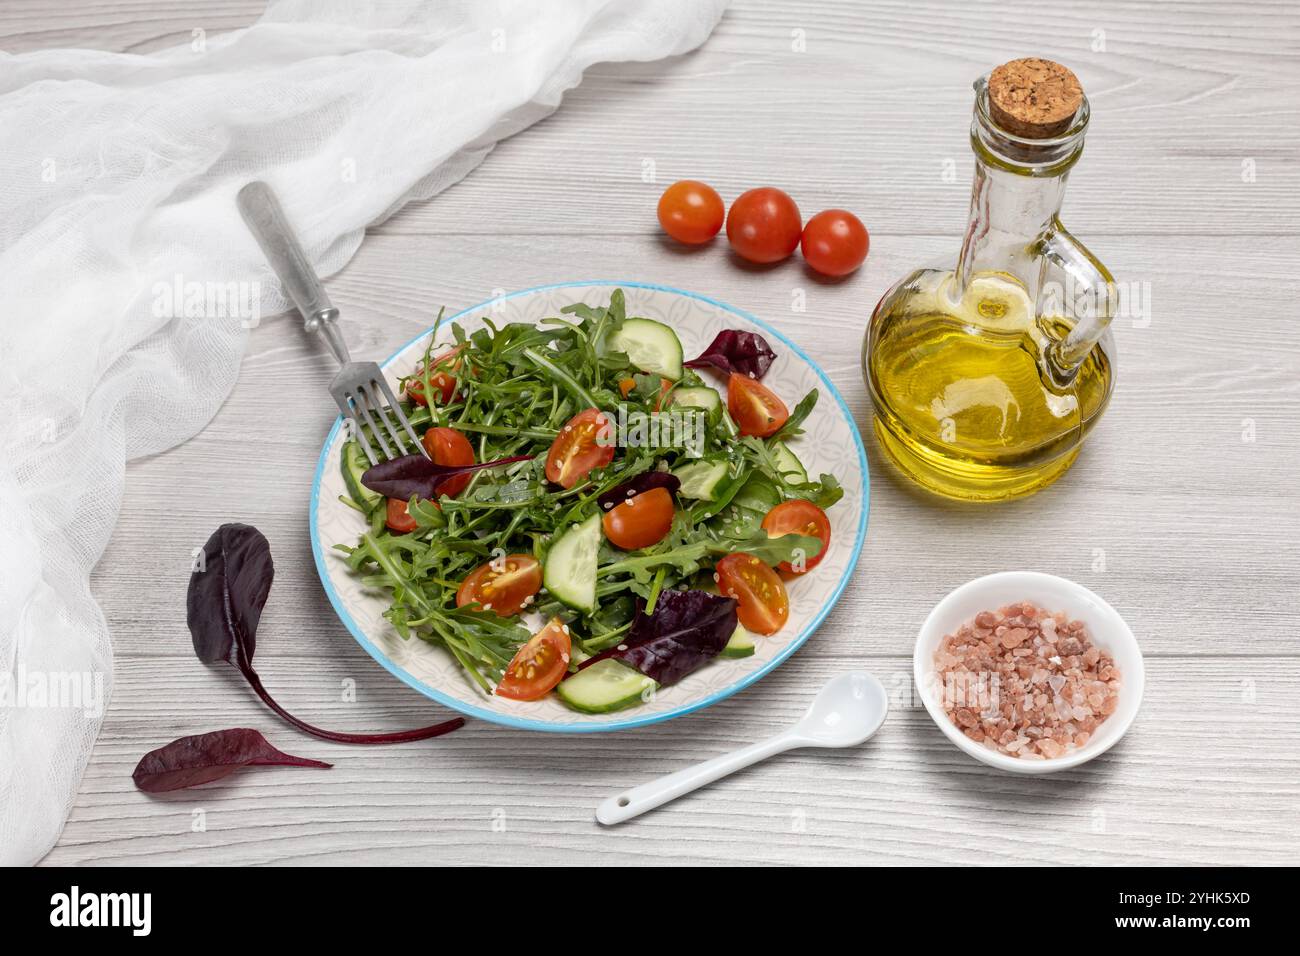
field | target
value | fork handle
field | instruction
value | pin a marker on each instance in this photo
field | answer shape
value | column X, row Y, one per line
column 266, row 220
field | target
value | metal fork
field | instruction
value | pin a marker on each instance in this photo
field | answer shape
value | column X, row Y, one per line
column 360, row 389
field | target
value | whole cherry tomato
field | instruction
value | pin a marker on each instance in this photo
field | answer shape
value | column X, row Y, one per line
column 835, row 242
column 691, row 211
column 764, row 225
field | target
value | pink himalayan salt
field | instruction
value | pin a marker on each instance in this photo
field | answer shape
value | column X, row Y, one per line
column 1037, row 710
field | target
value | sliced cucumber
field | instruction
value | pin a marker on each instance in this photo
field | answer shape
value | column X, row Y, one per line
column 604, row 686
column 701, row 397
column 570, row 568
column 701, row 479
column 650, row 346
column 741, row 643
column 790, row 467
column 355, row 464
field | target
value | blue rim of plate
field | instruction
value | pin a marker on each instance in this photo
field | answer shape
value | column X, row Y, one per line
column 521, row 723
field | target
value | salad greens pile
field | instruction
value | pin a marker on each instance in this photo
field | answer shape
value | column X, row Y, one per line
column 515, row 388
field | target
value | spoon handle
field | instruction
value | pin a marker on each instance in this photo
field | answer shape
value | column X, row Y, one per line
column 647, row 796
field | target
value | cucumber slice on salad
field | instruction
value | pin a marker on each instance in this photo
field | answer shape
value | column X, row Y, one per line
column 701, row 397
column 650, row 346
column 790, row 467
column 355, row 464
column 741, row 643
column 700, row 479
column 604, row 686
column 569, row 571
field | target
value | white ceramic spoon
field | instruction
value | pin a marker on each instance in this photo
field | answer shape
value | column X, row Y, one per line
column 847, row 711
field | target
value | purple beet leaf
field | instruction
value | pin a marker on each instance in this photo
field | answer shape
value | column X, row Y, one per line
column 228, row 590
column 190, row 761
column 417, row 475
column 686, row 631
column 636, row 485
column 735, row 351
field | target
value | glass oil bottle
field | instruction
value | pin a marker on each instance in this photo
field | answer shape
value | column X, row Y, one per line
column 986, row 375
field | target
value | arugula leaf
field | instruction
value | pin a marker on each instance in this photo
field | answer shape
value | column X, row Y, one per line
column 689, row 558
column 797, row 417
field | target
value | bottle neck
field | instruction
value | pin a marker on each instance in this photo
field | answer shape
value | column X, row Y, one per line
column 1016, row 196
column 1008, row 214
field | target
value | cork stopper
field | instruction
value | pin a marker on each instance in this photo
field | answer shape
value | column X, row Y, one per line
column 1034, row 98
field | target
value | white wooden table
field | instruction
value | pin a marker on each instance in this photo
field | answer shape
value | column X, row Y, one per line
column 1183, row 510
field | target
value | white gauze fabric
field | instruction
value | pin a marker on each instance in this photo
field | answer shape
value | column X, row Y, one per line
column 118, row 172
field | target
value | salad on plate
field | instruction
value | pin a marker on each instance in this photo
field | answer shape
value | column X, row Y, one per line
column 595, row 517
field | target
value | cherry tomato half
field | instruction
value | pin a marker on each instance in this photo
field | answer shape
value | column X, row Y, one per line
column 799, row 517
column 586, row 442
column 835, row 242
column 764, row 225
column 504, row 585
column 446, row 446
column 442, row 378
column 691, row 211
column 398, row 518
column 763, row 604
column 640, row 521
column 754, row 407
column 539, row 665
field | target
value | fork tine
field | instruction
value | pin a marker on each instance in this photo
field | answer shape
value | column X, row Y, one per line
column 401, row 416
column 360, row 433
column 377, row 406
column 359, row 401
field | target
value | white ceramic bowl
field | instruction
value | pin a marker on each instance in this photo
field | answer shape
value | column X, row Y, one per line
column 1108, row 630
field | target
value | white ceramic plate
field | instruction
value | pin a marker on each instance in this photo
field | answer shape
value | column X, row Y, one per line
column 830, row 444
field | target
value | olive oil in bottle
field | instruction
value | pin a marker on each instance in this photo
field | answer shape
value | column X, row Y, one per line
column 986, row 377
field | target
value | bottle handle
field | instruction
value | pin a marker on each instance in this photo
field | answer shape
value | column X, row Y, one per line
column 1088, row 298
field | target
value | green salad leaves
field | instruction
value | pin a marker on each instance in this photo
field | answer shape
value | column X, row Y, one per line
column 515, row 388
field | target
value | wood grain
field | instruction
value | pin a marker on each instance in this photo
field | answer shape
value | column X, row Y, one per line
column 1174, row 790
column 1176, row 513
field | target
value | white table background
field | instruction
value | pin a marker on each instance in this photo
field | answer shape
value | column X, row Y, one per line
column 1172, row 513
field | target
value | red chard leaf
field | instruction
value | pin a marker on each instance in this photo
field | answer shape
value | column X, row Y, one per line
column 190, row 761
column 735, row 351
column 636, row 485
column 228, row 590
column 417, row 475
column 686, row 631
